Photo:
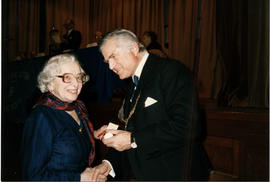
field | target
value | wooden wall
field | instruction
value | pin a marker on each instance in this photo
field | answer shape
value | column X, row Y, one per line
column 238, row 143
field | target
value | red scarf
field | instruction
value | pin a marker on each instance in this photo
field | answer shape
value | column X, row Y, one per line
column 48, row 99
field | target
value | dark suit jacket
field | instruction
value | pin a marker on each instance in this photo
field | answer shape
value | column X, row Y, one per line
column 168, row 132
column 73, row 40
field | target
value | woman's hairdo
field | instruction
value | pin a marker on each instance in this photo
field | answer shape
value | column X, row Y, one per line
column 151, row 34
column 123, row 37
column 52, row 68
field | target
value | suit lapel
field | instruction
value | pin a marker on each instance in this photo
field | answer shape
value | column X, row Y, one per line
column 147, row 74
column 145, row 78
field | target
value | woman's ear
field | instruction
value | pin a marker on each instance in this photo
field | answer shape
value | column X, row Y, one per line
column 50, row 86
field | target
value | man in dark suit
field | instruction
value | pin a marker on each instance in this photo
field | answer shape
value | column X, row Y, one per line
column 72, row 37
column 161, row 137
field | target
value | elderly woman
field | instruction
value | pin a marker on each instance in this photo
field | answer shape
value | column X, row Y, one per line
column 58, row 139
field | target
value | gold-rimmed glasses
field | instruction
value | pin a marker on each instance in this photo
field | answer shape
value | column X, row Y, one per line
column 67, row 77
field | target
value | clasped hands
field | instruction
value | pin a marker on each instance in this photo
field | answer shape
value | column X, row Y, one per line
column 120, row 141
column 98, row 173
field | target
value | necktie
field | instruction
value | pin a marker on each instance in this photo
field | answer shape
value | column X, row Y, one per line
column 136, row 82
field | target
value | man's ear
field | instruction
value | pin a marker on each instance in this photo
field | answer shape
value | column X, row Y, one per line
column 135, row 48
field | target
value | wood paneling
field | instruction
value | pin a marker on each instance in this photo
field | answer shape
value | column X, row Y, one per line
column 224, row 154
column 238, row 143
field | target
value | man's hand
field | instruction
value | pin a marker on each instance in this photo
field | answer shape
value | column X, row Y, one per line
column 120, row 140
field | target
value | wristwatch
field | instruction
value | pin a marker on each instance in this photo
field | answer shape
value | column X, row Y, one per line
column 132, row 141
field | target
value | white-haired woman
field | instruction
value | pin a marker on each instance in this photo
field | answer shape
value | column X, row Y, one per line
column 58, row 140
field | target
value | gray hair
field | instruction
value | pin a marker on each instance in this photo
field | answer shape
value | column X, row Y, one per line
column 52, row 68
column 123, row 37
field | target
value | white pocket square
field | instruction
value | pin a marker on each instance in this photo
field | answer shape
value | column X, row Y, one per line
column 149, row 101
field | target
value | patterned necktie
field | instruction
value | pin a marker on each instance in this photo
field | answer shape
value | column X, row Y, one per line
column 136, row 82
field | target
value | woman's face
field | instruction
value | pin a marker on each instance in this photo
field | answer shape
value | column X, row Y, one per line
column 67, row 92
column 146, row 40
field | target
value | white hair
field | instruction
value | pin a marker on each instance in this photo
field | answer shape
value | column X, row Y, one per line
column 52, row 68
column 124, row 39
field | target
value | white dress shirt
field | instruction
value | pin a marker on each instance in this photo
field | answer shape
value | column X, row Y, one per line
column 138, row 73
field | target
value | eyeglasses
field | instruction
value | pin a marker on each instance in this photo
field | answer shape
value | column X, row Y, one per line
column 67, row 77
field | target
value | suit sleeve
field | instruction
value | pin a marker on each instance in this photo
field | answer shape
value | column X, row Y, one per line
column 37, row 147
column 179, row 124
column 115, row 159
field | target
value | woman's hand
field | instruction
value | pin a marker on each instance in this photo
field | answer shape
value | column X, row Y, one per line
column 98, row 133
column 93, row 175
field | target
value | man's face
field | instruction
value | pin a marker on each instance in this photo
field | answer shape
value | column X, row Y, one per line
column 98, row 36
column 68, row 24
column 122, row 60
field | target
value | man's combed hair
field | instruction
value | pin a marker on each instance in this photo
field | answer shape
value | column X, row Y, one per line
column 123, row 37
column 53, row 68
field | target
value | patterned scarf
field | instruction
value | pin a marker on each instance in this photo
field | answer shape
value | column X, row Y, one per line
column 48, row 99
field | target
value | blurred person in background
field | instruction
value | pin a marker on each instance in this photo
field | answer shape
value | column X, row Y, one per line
column 72, row 38
column 150, row 42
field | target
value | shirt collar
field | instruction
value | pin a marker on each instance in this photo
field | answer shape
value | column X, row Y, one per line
column 139, row 69
column 69, row 31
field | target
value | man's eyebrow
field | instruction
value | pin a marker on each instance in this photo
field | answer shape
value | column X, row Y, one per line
column 112, row 55
column 107, row 58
